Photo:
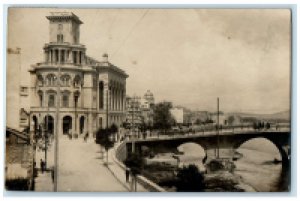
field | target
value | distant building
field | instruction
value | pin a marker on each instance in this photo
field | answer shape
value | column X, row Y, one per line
column 148, row 100
column 18, row 160
column 133, row 110
column 178, row 115
column 140, row 110
column 198, row 117
column 222, row 118
column 17, row 114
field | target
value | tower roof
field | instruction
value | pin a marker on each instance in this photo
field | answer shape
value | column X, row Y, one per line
column 64, row 16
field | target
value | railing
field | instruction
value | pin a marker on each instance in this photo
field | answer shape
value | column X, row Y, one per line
column 120, row 155
column 205, row 132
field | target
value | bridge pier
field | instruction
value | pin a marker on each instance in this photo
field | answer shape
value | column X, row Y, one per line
column 228, row 153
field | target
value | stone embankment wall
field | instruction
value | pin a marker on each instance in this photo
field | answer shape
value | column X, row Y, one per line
column 120, row 155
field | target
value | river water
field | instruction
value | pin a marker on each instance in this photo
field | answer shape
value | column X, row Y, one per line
column 256, row 167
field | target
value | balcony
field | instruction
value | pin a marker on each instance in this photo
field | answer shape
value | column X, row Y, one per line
column 61, row 109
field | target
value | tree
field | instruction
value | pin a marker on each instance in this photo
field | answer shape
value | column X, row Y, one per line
column 198, row 121
column 162, row 116
column 126, row 125
column 208, row 121
column 104, row 137
column 114, row 128
column 231, row 120
column 268, row 125
column 190, row 179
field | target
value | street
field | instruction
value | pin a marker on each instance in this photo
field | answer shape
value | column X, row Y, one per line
column 81, row 168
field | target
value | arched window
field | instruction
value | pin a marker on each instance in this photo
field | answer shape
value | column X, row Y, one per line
column 51, row 100
column 40, row 80
column 51, row 79
column 65, row 80
column 101, row 95
column 40, row 94
column 77, row 81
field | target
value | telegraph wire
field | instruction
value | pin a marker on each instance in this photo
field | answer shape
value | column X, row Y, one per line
column 130, row 32
column 109, row 30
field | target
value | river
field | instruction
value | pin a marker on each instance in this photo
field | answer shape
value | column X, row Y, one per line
column 256, row 167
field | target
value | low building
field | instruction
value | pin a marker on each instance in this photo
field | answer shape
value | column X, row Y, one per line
column 178, row 115
column 222, row 118
column 199, row 117
column 18, row 161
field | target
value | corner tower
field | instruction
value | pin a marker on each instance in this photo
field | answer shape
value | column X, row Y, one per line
column 64, row 28
column 64, row 40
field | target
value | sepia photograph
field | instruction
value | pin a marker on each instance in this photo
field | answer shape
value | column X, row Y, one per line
column 148, row 100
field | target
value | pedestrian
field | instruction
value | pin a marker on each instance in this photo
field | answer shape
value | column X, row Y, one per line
column 42, row 165
column 52, row 174
column 86, row 136
column 127, row 174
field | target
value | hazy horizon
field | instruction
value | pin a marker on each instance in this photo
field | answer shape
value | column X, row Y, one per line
column 187, row 56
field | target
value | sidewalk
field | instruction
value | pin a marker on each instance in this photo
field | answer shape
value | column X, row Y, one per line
column 119, row 172
column 43, row 182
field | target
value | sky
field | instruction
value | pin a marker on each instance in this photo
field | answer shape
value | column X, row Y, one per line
column 187, row 56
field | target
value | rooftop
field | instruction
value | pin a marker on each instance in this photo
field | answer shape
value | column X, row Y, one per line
column 64, row 15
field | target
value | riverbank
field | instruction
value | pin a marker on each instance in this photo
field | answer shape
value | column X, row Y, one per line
column 255, row 169
column 224, row 181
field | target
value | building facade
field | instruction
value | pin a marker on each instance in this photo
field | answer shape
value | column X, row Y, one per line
column 71, row 90
column 17, row 109
column 139, row 110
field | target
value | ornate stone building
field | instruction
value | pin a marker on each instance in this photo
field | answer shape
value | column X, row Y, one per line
column 88, row 94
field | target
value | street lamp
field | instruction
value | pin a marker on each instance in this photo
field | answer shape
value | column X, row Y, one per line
column 107, row 93
column 76, row 95
column 46, row 140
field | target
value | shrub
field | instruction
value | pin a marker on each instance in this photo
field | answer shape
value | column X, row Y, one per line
column 19, row 184
column 190, row 179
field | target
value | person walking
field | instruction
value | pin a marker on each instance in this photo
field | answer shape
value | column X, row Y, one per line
column 42, row 165
column 127, row 174
column 86, row 137
column 52, row 174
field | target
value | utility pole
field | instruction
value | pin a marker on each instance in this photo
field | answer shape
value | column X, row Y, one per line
column 218, row 133
column 46, row 136
column 132, row 119
column 76, row 95
column 56, row 134
column 132, row 126
column 107, row 107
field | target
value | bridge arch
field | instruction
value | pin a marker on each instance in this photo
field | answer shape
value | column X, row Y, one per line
column 193, row 150
column 283, row 150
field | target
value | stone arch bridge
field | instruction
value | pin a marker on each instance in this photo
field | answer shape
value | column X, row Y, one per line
column 228, row 143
